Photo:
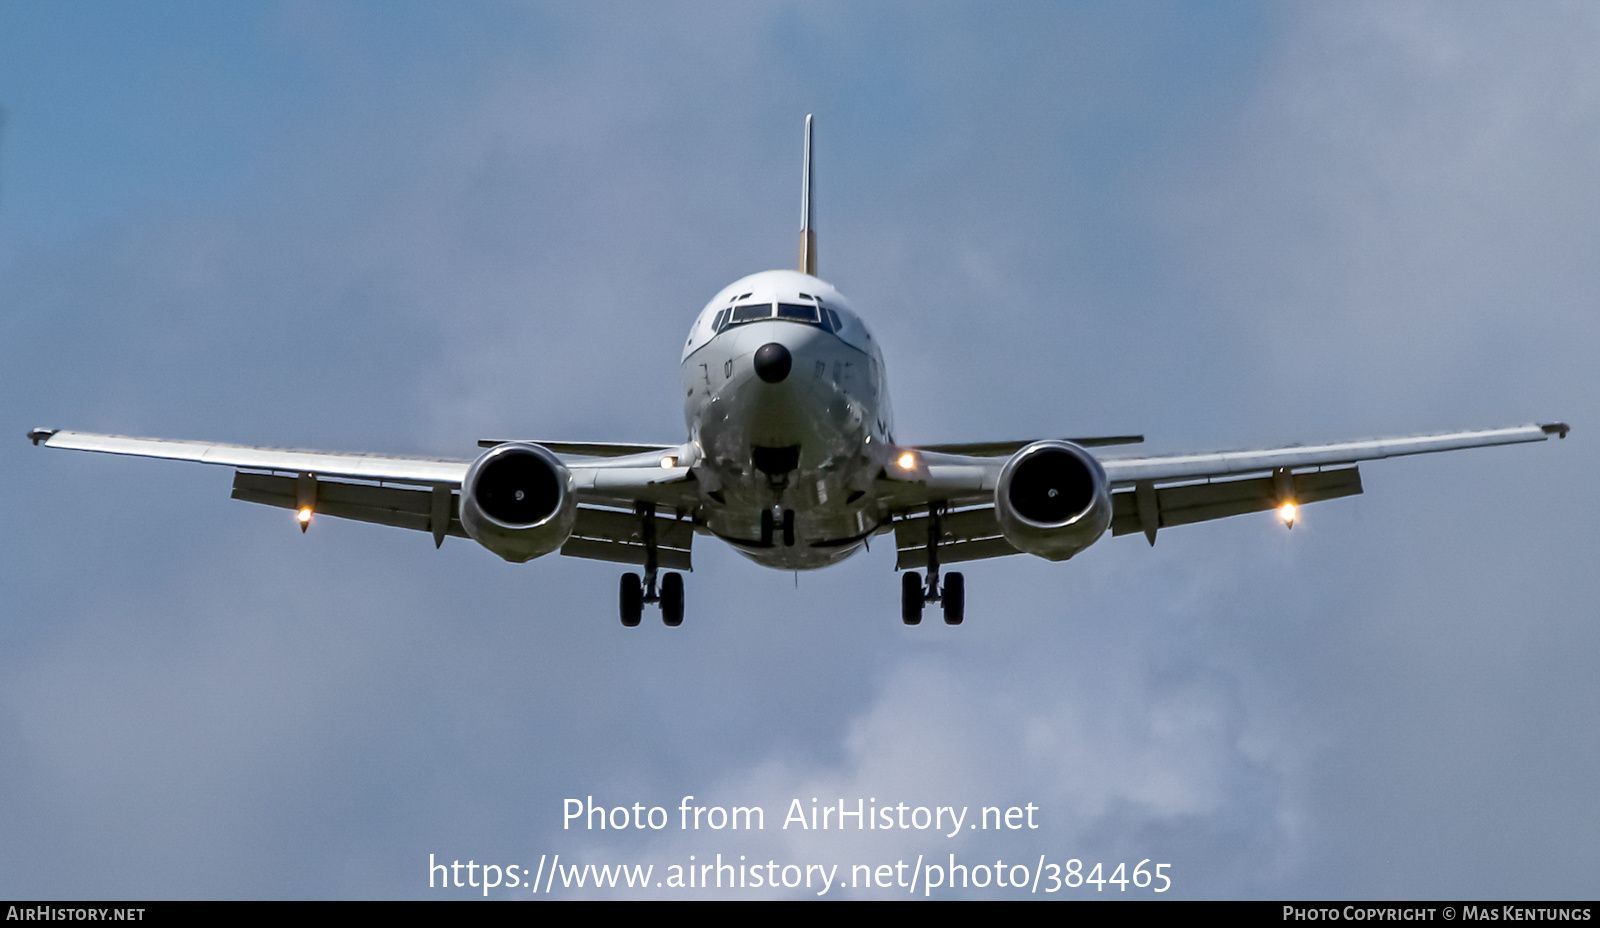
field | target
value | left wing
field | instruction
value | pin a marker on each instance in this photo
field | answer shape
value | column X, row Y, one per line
column 1128, row 471
column 424, row 493
column 1155, row 491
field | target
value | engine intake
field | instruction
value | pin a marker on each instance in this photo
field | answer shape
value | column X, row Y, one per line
column 517, row 501
column 1052, row 500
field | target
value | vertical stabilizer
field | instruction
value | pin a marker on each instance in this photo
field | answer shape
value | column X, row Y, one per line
column 808, row 238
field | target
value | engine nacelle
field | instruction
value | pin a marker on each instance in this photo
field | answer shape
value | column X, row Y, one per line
column 517, row 501
column 1052, row 500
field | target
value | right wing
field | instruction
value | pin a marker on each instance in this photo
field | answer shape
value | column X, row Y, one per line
column 359, row 466
column 423, row 494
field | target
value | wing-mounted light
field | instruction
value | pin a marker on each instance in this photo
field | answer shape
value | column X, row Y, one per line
column 1283, row 484
column 305, row 491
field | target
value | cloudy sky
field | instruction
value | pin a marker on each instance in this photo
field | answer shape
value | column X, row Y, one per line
column 386, row 228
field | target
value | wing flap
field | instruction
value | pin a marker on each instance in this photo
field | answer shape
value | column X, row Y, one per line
column 398, row 507
column 1202, row 502
column 964, row 535
column 983, row 549
column 628, row 528
column 599, row 534
column 618, row 536
column 974, row 534
column 589, row 549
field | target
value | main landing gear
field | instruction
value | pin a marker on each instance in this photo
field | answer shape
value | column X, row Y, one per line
column 634, row 594
column 953, row 596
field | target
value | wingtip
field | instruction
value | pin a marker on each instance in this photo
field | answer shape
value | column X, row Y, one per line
column 38, row 435
column 1558, row 429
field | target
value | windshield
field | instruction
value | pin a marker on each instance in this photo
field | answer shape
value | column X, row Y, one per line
column 807, row 313
column 750, row 312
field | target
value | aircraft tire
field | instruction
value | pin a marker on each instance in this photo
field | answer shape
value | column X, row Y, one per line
column 911, row 598
column 672, row 600
column 631, row 600
column 955, row 598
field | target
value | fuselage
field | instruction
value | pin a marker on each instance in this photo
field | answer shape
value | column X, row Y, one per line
column 786, row 402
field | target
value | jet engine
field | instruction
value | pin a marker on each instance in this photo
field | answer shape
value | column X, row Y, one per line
column 1052, row 500
column 517, row 501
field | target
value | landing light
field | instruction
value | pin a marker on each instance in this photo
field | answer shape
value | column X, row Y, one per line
column 304, row 517
column 669, row 462
column 1286, row 512
column 907, row 461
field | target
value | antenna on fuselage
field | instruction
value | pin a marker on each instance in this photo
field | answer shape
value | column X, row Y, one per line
column 808, row 238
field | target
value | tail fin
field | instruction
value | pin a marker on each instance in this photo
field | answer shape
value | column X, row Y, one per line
column 808, row 238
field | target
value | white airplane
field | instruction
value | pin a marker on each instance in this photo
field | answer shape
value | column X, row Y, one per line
column 792, row 458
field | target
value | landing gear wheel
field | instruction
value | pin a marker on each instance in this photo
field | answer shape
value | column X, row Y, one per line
column 631, row 599
column 672, row 600
column 766, row 528
column 911, row 598
column 788, row 528
column 955, row 598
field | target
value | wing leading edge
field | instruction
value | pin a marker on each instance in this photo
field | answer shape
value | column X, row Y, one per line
column 1127, row 471
column 423, row 471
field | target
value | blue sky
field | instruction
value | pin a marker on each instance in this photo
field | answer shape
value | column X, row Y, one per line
column 404, row 228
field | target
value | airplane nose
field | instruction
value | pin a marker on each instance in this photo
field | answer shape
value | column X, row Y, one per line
column 773, row 362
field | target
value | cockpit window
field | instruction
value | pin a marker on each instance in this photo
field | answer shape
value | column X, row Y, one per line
column 809, row 314
column 797, row 312
column 750, row 312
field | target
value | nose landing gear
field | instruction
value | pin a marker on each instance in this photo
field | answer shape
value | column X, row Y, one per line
column 770, row 526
